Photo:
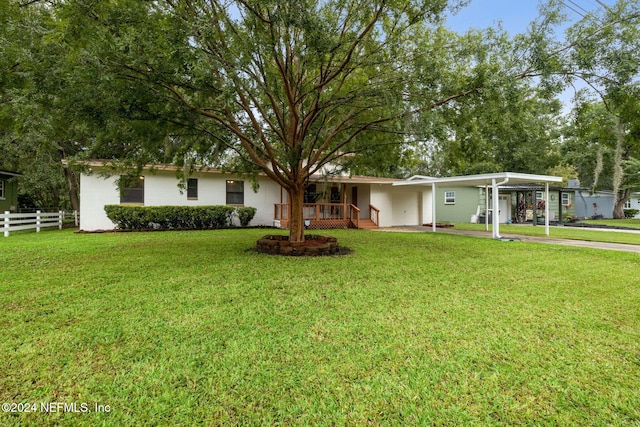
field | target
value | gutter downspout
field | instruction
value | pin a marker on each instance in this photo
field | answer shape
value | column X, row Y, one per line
column 495, row 192
column 433, row 207
column 486, row 208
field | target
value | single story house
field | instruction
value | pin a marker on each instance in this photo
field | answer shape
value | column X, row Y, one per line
column 330, row 201
column 8, row 191
column 589, row 204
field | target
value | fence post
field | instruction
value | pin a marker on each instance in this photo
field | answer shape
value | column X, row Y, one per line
column 6, row 223
column 75, row 217
column 60, row 217
column 37, row 221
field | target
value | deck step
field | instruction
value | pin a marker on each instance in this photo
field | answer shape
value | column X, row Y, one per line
column 367, row 224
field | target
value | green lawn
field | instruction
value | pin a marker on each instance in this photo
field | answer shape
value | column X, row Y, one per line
column 573, row 233
column 632, row 223
column 188, row 328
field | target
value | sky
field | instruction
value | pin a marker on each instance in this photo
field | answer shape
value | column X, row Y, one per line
column 515, row 15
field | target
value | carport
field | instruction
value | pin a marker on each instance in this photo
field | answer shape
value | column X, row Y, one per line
column 493, row 181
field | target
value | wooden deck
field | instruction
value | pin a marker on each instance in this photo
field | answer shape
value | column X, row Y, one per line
column 323, row 216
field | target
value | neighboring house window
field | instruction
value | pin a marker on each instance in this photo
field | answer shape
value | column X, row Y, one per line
column 235, row 192
column 310, row 193
column 627, row 204
column 566, row 199
column 192, row 189
column 450, row 198
column 132, row 189
column 1, row 189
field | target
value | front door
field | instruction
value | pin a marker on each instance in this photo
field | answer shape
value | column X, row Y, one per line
column 354, row 196
column 504, row 206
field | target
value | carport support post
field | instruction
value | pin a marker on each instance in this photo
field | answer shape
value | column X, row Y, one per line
column 496, row 209
column 546, row 208
column 433, row 207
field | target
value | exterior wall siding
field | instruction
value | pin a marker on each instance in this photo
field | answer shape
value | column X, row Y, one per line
column 161, row 189
column 96, row 192
column 584, row 204
column 400, row 205
column 467, row 200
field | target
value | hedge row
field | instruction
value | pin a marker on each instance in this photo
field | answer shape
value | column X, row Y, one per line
column 177, row 217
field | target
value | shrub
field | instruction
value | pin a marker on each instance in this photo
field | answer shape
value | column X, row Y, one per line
column 630, row 213
column 245, row 214
column 169, row 217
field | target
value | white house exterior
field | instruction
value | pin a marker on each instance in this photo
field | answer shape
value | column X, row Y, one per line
column 330, row 202
column 392, row 206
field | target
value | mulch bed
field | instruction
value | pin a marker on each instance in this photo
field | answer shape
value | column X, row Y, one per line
column 313, row 245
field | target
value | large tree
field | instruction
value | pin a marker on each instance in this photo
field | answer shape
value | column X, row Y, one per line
column 281, row 87
column 604, row 147
column 604, row 53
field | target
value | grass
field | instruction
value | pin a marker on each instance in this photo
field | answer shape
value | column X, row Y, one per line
column 572, row 233
column 188, row 328
column 629, row 222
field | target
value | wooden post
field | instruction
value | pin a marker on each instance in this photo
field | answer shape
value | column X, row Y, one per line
column 560, row 206
column 6, row 223
column 37, row 221
column 60, row 217
column 546, row 209
column 344, row 201
column 75, row 217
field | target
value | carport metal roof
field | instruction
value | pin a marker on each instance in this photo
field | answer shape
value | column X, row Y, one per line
column 495, row 180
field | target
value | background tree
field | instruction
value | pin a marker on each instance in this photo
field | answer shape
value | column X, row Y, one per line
column 513, row 121
column 602, row 146
column 37, row 123
column 604, row 53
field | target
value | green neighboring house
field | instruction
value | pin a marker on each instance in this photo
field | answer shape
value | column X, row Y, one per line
column 458, row 204
column 517, row 202
column 8, row 191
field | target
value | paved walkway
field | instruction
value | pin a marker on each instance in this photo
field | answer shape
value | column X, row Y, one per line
column 520, row 238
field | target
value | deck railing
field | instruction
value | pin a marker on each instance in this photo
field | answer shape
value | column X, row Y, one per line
column 321, row 215
column 354, row 215
column 374, row 215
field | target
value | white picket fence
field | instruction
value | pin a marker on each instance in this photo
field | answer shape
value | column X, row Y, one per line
column 38, row 220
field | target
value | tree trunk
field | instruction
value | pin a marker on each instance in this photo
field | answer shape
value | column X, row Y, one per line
column 618, row 208
column 72, row 182
column 296, row 214
column 620, row 197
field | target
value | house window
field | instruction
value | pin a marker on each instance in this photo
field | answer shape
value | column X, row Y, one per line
column 235, row 192
column 132, row 189
column 310, row 193
column 450, row 198
column 192, row 189
column 539, row 195
column 1, row 189
column 627, row 204
column 566, row 199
